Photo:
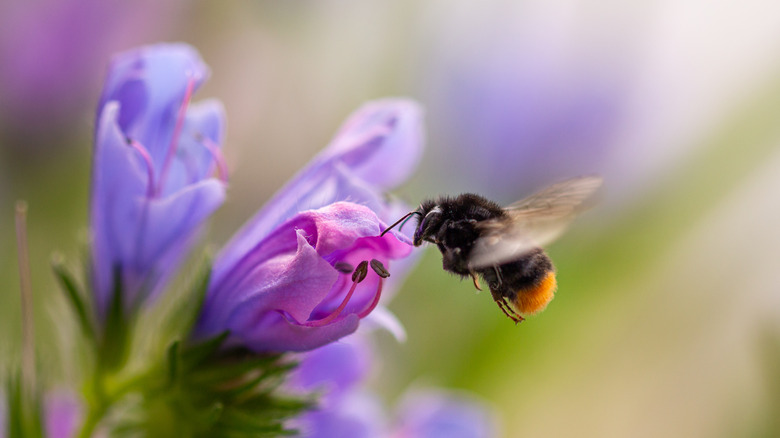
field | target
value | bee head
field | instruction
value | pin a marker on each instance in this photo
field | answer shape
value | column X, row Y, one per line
column 428, row 225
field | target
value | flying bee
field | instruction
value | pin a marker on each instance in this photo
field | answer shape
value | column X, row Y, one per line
column 503, row 245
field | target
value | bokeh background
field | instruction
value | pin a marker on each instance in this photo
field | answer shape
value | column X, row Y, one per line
column 667, row 319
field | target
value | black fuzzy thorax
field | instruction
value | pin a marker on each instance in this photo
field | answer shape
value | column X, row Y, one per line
column 454, row 229
column 467, row 206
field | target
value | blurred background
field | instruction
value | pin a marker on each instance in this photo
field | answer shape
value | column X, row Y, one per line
column 667, row 318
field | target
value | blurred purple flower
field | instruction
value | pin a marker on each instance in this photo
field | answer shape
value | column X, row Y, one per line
column 435, row 413
column 62, row 414
column 154, row 154
column 338, row 372
column 283, row 282
column 52, row 54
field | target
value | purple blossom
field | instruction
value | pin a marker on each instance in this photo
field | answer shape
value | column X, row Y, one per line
column 435, row 413
column 52, row 55
column 284, row 282
column 338, row 372
column 154, row 154
column 62, row 414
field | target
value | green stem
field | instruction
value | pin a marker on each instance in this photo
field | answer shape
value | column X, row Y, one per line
column 102, row 399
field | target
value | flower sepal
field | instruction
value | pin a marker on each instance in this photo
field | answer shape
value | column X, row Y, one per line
column 207, row 390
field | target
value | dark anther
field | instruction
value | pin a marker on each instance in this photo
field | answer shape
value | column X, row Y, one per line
column 344, row 267
column 379, row 268
column 360, row 272
column 128, row 140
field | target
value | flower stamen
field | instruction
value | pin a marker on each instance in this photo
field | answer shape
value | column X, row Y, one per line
column 374, row 303
column 138, row 147
column 216, row 154
column 343, row 267
column 358, row 276
column 360, row 272
column 379, row 268
column 176, row 132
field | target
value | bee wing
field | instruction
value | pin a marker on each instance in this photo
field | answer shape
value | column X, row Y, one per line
column 532, row 222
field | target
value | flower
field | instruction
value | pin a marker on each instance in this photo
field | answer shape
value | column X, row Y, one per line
column 338, row 373
column 436, row 413
column 151, row 185
column 289, row 279
column 52, row 57
column 63, row 414
column 61, row 409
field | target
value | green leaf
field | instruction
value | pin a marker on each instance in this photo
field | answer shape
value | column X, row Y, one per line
column 23, row 411
column 75, row 297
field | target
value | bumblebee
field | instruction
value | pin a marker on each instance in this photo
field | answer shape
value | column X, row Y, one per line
column 503, row 245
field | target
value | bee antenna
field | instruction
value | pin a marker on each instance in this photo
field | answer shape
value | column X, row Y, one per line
column 403, row 219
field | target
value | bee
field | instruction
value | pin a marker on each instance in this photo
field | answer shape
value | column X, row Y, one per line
column 503, row 245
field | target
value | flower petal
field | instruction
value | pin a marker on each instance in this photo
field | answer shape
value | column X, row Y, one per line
column 381, row 142
column 381, row 139
column 288, row 279
column 443, row 414
column 152, row 82
column 203, row 130
column 119, row 180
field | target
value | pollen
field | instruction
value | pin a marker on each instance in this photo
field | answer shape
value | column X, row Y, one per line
column 534, row 299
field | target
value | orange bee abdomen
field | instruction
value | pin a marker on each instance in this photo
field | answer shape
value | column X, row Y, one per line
column 534, row 299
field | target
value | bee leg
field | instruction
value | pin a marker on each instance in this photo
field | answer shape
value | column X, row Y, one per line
column 508, row 311
column 499, row 280
column 515, row 316
column 476, row 280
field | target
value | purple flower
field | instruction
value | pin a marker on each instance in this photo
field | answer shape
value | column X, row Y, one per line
column 52, row 55
column 151, row 184
column 338, row 371
column 435, row 413
column 62, row 414
column 285, row 282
